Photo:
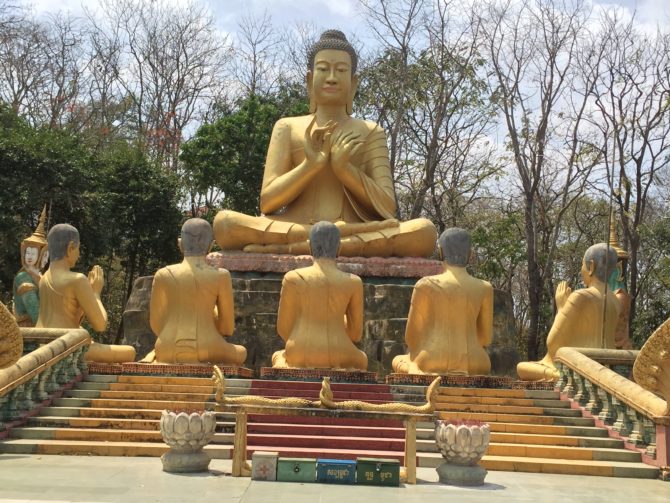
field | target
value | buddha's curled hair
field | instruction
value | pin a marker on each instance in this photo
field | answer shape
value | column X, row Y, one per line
column 336, row 40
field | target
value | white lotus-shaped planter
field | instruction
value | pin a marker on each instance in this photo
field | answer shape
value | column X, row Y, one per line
column 462, row 445
column 186, row 434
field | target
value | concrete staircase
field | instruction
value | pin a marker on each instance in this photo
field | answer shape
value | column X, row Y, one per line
column 532, row 431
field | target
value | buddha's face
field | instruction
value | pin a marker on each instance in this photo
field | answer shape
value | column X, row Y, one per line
column 31, row 255
column 331, row 78
column 45, row 259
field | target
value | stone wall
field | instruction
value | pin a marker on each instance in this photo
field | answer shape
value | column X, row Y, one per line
column 387, row 303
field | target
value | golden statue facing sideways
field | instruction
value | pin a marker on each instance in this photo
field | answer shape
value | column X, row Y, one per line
column 66, row 297
column 451, row 317
column 321, row 310
column 192, row 305
column 327, row 166
column 580, row 316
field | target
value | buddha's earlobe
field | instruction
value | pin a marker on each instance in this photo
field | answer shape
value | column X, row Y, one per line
column 310, row 93
column 350, row 100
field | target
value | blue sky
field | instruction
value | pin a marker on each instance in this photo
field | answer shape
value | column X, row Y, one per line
column 342, row 14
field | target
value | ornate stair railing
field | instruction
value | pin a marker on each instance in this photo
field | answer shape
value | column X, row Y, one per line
column 600, row 382
column 41, row 373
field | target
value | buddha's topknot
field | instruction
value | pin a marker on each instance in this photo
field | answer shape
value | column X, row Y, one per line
column 336, row 40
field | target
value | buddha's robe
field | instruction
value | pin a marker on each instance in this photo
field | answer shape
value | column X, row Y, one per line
column 448, row 326
column 58, row 309
column 62, row 309
column 579, row 323
column 325, row 198
column 183, row 316
column 320, row 317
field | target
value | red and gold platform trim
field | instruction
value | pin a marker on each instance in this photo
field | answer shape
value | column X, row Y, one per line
column 346, row 376
column 168, row 369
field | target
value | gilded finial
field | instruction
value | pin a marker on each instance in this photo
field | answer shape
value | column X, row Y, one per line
column 614, row 242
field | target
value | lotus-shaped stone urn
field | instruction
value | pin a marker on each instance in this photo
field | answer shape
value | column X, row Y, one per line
column 186, row 433
column 462, row 444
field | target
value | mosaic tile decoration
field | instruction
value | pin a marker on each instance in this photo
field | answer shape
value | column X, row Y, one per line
column 348, row 376
column 463, row 381
column 177, row 369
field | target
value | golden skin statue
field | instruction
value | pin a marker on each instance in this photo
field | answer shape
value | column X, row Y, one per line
column 66, row 297
column 451, row 317
column 579, row 320
column 321, row 310
column 192, row 305
column 327, row 166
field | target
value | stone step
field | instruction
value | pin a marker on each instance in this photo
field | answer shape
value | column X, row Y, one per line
column 552, row 465
column 97, row 422
column 516, row 418
column 102, row 435
column 507, row 393
column 354, row 443
column 508, row 409
column 134, row 404
column 98, row 448
column 322, row 430
column 541, row 439
column 494, row 400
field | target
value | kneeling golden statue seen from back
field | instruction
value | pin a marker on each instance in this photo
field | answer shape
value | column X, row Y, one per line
column 67, row 297
column 450, row 318
column 327, row 166
column 586, row 318
column 192, row 305
column 321, row 310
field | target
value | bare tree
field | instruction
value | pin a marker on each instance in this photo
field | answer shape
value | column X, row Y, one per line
column 394, row 24
column 24, row 65
column 256, row 55
column 169, row 65
column 541, row 94
column 633, row 116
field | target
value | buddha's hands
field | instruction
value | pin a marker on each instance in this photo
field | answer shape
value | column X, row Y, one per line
column 317, row 143
column 344, row 147
column 563, row 291
column 97, row 279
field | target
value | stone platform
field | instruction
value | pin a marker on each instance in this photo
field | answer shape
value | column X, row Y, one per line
column 463, row 381
column 164, row 369
column 342, row 376
column 387, row 284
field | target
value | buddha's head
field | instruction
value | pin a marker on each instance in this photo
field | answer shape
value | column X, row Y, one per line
column 331, row 75
column 324, row 240
column 599, row 261
column 196, row 237
column 64, row 243
column 454, row 246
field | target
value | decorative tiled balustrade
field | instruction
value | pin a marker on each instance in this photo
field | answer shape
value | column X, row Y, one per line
column 599, row 381
column 39, row 374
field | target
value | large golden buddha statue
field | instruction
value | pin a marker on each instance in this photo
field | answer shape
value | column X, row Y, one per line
column 327, row 166
column 192, row 305
column 34, row 256
column 321, row 310
column 586, row 318
column 66, row 297
column 451, row 317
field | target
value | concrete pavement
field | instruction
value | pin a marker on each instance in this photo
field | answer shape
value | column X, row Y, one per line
column 96, row 479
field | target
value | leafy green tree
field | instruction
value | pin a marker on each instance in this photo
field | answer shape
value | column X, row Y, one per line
column 223, row 163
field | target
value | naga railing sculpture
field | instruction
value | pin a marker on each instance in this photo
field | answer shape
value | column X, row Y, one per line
column 638, row 411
